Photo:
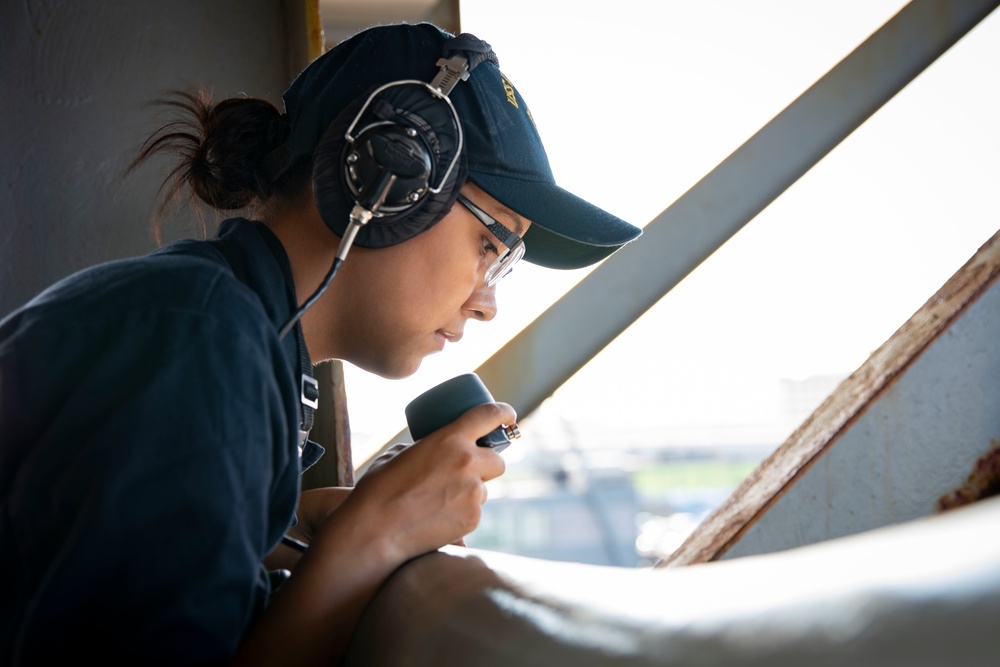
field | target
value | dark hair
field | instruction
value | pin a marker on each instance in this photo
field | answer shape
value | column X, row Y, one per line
column 229, row 152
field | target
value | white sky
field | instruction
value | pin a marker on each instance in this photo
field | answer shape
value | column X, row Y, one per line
column 636, row 106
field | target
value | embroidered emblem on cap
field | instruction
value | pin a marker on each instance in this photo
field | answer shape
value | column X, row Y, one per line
column 509, row 89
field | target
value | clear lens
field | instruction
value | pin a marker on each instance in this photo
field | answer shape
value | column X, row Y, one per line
column 504, row 264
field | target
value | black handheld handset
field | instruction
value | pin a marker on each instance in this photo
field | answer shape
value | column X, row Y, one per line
column 446, row 402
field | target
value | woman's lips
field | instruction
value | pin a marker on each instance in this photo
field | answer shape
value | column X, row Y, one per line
column 447, row 336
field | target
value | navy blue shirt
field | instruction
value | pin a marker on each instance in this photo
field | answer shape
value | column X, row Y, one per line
column 149, row 455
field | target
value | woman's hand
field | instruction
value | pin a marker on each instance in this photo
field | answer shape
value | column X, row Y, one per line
column 431, row 493
column 389, row 454
column 427, row 496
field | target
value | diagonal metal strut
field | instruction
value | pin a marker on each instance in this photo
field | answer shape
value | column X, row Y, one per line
column 532, row 365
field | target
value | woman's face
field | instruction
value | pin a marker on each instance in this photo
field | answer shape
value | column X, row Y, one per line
column 394, row 306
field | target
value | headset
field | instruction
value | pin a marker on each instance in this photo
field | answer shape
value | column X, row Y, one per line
column 390, row 165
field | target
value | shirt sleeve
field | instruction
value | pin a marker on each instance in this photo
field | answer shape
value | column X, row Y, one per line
column 159, row 469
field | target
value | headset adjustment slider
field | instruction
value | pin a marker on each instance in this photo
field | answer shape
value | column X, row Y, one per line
column 453, row 70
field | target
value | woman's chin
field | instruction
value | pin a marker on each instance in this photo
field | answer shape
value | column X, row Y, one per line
column 400, row 370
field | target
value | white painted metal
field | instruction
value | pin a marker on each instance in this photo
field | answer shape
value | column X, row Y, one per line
column 921, row 594
column 916, row 442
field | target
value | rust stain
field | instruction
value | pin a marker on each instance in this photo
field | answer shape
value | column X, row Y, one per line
column 983, row 481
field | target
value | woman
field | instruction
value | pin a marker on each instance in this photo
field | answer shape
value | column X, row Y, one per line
column 155, row 410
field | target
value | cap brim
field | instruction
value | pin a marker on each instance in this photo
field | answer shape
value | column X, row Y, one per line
column 567, row 232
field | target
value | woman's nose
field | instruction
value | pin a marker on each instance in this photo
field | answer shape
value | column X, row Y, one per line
column 482, row 303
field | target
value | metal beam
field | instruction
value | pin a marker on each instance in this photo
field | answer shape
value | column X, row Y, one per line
column 571, row 332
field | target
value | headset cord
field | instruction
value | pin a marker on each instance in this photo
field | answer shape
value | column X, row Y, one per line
column 366, row 206
column 337, row 261
column 359, row 218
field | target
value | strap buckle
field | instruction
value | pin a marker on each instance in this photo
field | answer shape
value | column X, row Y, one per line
column 310, row 391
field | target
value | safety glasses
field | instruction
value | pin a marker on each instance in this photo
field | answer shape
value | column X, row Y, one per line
column 503, row 264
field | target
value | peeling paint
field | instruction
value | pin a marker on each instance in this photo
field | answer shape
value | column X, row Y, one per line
column 983, row 481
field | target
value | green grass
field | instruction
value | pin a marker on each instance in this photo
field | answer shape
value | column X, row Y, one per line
column 689, row 474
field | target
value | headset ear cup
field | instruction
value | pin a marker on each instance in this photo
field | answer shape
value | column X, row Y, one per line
column 433, row 123
column 436, row 206
column 333, row 199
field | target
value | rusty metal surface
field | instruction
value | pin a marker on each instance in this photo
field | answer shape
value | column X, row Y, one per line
column 983, row 481
column 874, row 452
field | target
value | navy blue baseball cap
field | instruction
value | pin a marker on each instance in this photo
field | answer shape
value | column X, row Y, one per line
column 504, row 152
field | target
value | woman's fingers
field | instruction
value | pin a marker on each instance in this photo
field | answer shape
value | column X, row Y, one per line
column 431, row 493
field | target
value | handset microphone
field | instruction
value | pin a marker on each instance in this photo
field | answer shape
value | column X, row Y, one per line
column 440, row 406
column 444, row 403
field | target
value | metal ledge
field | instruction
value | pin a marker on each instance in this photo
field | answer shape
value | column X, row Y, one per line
column 922, row 593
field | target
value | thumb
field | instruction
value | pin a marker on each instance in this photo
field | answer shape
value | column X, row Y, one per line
column 481, row 419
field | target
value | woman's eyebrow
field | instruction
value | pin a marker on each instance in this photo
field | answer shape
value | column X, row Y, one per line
column 518, row 226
